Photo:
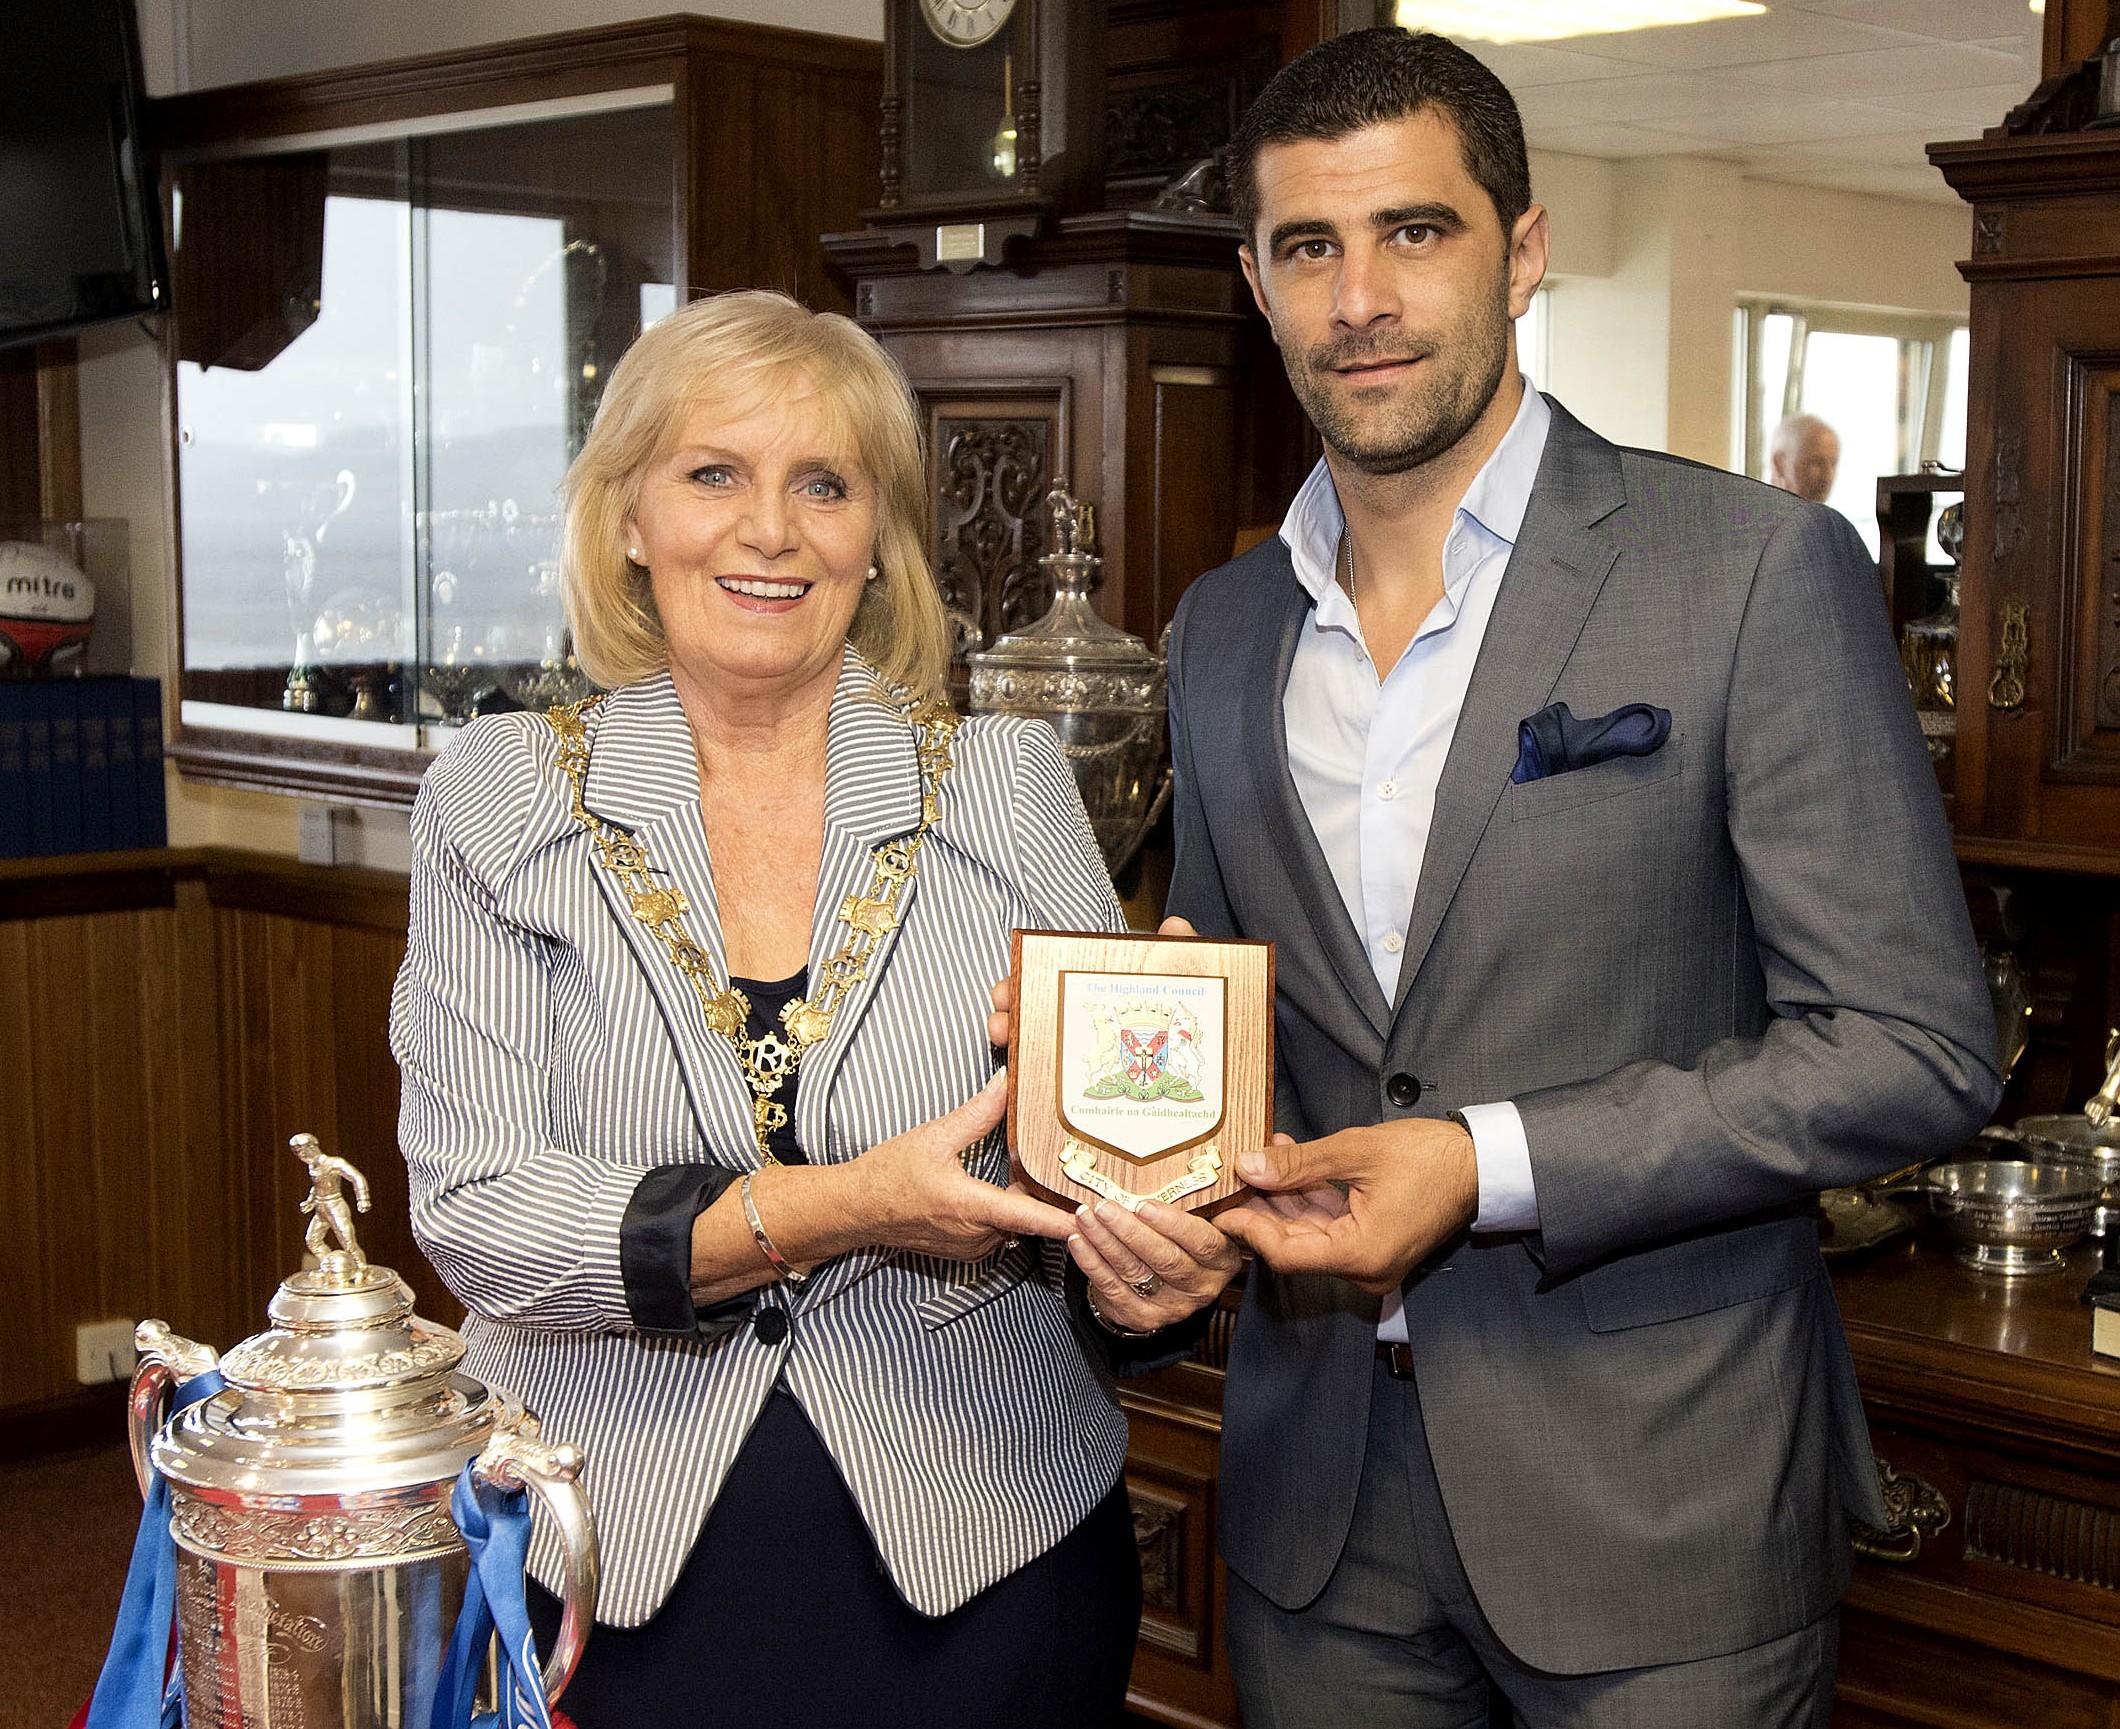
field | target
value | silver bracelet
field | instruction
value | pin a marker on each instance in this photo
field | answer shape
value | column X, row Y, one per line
column 1089, row 1296
column 774, row 1258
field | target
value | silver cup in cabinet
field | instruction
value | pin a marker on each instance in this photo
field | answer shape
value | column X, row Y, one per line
column 2070, row 1138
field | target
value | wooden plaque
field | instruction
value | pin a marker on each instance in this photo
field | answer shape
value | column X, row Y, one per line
column 1142, row 1066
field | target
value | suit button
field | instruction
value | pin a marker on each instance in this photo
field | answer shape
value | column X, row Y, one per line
column 1402, row 1089
column 770, row 1323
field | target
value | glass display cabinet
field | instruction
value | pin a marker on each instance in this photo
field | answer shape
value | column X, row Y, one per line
column 399, row 292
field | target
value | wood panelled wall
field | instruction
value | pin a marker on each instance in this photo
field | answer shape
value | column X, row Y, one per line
column 40, row 431
column 2073, row 31
column 167, row 1021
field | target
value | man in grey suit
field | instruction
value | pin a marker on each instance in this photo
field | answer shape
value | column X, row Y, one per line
column 1616, row 915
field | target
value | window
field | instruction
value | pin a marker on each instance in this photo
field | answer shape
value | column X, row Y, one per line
column 1891, row 384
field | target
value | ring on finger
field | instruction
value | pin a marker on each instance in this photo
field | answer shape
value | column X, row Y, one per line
column 1147, row 1285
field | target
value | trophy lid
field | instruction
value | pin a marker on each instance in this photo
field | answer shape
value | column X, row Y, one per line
column 1071, row 637
column 348, row 1392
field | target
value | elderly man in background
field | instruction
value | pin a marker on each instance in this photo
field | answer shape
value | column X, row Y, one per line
column 1803, row 457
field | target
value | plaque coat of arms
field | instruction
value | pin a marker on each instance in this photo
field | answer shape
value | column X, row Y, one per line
column 1142, row 1066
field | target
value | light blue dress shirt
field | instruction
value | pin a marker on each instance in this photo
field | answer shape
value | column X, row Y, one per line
column 1366, row 754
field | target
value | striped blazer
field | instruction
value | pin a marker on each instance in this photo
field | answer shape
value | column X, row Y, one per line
column 552, row 1054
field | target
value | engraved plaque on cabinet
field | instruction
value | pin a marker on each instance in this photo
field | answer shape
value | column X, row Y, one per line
column 2009, row 491
column 1173, row 1530
column 1159, row 1534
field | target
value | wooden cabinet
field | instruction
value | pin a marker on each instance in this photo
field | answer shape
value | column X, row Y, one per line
column 2038, row 742
column 1174, row 1420
column 1984, row 1399
column 171, row 1018
column 1114, row 348
column 1119, row 352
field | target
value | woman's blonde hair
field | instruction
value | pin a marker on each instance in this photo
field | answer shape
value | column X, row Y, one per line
column 750, row 346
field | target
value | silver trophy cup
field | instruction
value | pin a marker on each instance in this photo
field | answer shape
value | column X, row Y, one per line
column 319, row 1571
column 1100, row 688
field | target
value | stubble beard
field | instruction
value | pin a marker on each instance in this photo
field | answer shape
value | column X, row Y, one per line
column 1461, row 371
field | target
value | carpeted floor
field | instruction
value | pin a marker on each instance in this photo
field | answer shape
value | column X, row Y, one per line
column 66, row 1533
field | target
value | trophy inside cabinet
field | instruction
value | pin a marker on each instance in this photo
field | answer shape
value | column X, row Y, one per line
column 1921, row 535
column 400, row 348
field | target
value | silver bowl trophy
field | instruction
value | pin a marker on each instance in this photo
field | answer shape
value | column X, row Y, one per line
column 2012, row 1216
column 319, row 1571
column 1099, row 687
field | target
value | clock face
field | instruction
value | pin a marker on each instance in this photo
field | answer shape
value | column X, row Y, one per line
column 966, row 23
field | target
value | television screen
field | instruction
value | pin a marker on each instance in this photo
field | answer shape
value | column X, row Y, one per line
column 80, row 223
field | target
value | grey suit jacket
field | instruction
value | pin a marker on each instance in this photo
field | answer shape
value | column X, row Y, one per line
column 1714, row 980
column 553, row 1054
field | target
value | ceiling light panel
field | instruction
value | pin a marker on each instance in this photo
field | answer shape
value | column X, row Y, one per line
column 1551, row 20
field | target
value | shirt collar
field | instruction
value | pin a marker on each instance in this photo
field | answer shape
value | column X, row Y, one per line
column 1496, row 500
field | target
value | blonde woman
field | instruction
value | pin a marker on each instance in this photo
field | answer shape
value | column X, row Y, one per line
column 699, row 1103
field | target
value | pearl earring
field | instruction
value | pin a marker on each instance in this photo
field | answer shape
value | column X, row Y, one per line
column 633, row 553
column 874, row 573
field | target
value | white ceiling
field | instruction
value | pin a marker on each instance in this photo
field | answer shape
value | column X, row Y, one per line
column 1820, row 92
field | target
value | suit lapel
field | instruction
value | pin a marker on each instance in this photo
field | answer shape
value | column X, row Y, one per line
column 644, row 778
column 1559, row 564
column 1288, row 824
column 872, row 795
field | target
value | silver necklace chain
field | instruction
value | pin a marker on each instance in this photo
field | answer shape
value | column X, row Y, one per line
column 1346, row 561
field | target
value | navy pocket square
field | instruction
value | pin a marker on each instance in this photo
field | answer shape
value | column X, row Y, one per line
column 1554, row 742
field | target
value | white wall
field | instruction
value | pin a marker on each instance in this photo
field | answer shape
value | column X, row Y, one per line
column 1650, row 257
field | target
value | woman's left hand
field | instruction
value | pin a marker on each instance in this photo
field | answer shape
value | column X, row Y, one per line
column 1149, row 1269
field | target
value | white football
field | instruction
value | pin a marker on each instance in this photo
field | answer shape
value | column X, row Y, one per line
column 38, row 583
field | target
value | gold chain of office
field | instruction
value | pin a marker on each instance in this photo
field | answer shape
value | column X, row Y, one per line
column 805, row 1020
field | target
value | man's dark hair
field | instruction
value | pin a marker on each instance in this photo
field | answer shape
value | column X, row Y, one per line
column 1371, row 77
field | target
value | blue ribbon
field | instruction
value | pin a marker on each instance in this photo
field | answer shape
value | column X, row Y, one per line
column 141, row 1687
column 496, row 1527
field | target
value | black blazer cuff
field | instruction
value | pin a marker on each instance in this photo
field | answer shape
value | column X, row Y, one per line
column 655, row 1250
